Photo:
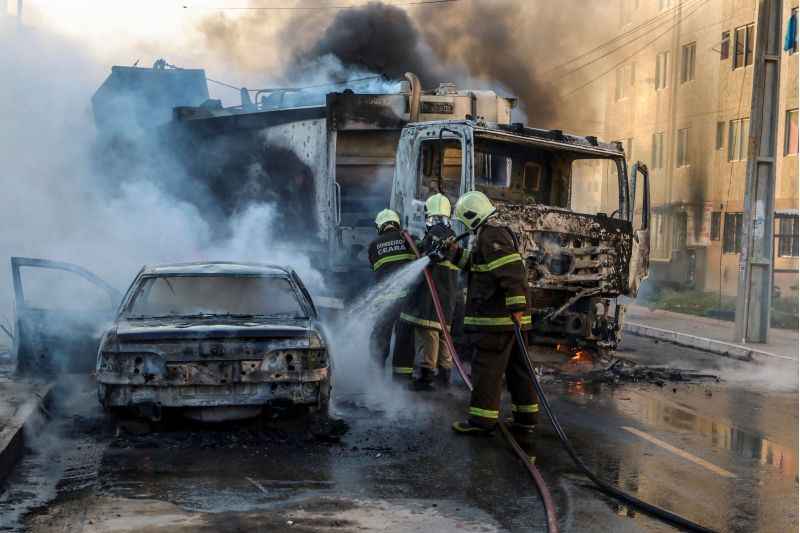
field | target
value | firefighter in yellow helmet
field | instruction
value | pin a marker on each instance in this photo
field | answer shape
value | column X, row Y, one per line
column 388, row 253
column 430, row 351
column 497, row 297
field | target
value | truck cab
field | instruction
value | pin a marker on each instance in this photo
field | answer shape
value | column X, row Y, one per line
column 581, row 255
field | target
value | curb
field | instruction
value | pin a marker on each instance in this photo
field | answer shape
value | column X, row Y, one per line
column 725, row 349
column 12, row 437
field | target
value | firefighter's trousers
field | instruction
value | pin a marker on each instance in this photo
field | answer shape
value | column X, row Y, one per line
column 498, row 355
column 380, row 339
column 431, row 349
column 381, row 335
column 403, row 355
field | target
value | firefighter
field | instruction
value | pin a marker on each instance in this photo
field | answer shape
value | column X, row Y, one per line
column 497, row 297
column 387, row 254
column 431, row 353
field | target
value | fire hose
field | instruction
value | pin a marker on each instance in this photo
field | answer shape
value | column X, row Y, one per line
column 544, row 492
column 606, row 487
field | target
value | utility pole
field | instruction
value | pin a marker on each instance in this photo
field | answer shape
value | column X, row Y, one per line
column 754, row 296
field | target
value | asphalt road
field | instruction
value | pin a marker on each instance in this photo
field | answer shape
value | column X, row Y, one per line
column 723, row 454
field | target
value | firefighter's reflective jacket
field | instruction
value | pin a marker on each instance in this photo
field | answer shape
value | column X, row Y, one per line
column 419, row 308
column 496, row 281
column 388, row 253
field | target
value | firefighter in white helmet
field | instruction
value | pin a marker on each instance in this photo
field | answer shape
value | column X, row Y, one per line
column 388, row 253
column 497, row 298
column 434, row 360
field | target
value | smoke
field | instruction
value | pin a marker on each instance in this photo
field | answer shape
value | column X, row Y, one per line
column 776, row 375
column 505, row 45
column 58, row 203
column 376, row 38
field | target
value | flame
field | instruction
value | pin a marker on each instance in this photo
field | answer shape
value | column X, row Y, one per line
column 581, row 356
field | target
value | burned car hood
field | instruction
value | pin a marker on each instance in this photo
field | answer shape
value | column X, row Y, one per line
column 135, row 330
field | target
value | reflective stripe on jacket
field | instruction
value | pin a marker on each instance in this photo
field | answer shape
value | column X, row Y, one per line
column 497, row 281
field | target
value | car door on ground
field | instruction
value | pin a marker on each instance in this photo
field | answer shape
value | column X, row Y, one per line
column 61, row 312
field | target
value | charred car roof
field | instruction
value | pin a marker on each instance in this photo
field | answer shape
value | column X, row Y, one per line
column 216, row 267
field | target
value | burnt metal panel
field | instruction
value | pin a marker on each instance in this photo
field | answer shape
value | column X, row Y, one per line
column 236, row 122
column 367, row 111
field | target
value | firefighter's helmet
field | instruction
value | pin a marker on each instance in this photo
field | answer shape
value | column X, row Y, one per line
column 473, row 208
column 437, row 206
column 387, row 216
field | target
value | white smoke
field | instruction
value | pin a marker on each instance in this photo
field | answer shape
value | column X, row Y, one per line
column 56, row 204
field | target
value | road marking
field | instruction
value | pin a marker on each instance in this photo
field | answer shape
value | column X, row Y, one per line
column 257, row 485
column 686, row 455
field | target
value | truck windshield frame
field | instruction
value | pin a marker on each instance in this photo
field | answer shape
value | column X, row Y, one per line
column 524, row 170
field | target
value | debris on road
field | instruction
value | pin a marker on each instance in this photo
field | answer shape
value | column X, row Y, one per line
column 624, row 371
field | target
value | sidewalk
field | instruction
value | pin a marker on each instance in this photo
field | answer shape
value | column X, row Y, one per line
column 708, row 334
column 19, row 403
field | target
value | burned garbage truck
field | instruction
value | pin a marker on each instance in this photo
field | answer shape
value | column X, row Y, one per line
column 579, row 263
column 329, row 162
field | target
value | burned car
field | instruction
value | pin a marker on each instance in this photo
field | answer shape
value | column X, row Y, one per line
column 218, row 340
column 213, row 340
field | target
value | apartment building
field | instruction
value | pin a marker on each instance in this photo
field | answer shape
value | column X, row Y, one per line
column 680, row 102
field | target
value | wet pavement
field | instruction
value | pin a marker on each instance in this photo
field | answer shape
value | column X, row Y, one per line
column 723, row 454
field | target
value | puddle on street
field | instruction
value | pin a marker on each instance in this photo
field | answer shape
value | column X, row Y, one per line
column 659, row 413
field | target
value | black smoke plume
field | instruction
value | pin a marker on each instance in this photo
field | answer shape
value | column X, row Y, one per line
column 509, row 46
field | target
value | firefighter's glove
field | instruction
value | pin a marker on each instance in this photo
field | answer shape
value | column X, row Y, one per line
column 440, row 250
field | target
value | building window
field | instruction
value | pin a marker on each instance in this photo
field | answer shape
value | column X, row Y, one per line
column 725, row 46
column 790, row 145
column 679, row 230
column 732, row 238
column 790, row 44
column 662, row 63
column 658, row 150
column 720, row 135
column 658, row 235
column 688, row 53
column 788, row 236
column 664, row 4
column 738, row 135
column 682, row 150
column 716, row 221
column 625, row 81
column 743, row 46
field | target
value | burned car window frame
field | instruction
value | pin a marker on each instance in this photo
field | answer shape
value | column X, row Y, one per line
column 139, row 284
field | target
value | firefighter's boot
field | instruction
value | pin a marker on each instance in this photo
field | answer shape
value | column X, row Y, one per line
column 443, row 378
column 524, row 422
column 424, row 382
column 521, row 428
column 401, row 379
